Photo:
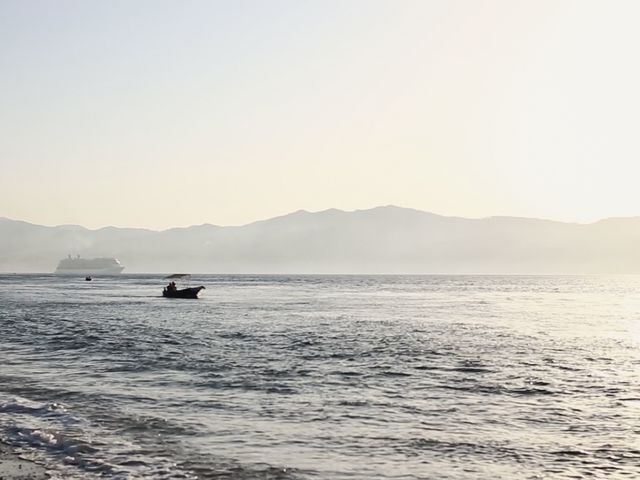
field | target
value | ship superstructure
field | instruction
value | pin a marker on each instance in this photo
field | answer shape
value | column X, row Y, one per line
column 89, row 266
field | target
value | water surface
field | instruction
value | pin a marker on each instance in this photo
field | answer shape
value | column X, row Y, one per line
column 322, row 377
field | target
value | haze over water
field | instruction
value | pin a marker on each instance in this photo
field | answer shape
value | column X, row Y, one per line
column 324, row 377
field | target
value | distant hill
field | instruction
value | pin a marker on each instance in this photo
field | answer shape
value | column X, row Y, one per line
column 379, row 240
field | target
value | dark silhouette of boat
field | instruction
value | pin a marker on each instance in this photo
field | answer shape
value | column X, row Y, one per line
column 191, row 292
column 171, row 291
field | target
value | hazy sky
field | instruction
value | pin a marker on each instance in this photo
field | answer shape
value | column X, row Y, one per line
column 165, row 113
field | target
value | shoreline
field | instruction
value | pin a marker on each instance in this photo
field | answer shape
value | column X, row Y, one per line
column 13, row 467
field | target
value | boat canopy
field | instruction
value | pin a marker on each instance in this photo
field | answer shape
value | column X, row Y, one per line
column 178, row 275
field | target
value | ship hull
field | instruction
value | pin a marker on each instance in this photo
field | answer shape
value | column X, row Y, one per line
column 90, row 271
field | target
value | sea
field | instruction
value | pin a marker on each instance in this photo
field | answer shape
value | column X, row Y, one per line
column 323, row 377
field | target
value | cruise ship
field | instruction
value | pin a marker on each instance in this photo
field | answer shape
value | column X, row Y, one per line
column 88, row 266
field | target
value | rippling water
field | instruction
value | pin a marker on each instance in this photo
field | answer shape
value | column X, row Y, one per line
column 321, row 377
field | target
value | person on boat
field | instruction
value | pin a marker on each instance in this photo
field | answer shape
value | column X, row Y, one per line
column 172, row 287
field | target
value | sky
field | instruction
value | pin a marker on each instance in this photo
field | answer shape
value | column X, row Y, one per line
column 159, row 113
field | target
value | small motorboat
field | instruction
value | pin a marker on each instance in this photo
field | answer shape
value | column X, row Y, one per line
column 171, row 291
column 191, row 292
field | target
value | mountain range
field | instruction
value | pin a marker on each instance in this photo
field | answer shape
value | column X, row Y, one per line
column 379, row 240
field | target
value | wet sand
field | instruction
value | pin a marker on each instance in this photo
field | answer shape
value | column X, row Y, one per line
column 12, row 467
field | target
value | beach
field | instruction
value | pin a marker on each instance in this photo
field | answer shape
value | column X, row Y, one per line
column 12, row 467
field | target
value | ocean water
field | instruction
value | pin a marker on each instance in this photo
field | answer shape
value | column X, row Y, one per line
column 323, row 377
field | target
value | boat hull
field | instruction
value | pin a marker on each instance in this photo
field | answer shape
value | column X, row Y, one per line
column 84, row 272
column 191, row 292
